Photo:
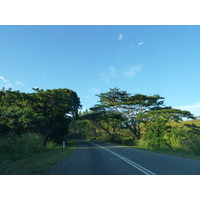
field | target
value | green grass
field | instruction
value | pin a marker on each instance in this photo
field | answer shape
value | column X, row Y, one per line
column 39, row 163
column 181, row 152
column 16, row 147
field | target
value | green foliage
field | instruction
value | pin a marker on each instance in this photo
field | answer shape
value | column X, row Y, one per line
column 175, row 137
column 156, row 132
column 37, row 164
column 181, row 137
column 81, row 128
column 128, row 106
column 193, row 145
column 21, row 146
column 142, row 115
column 108, row 121
column 159, row 134
column 47, row 112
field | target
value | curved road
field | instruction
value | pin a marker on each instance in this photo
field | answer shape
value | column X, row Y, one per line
column 96, row 158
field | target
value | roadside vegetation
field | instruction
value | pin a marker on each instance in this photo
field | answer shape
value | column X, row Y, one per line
column 33, row 127
column 139, row 121
column 30, row 157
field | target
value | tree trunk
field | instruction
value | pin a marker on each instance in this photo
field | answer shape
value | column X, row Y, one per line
column 134, row 131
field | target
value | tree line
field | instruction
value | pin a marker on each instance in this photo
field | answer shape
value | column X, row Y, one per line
column 118, row 115
column 48, row 113
column 144, row 117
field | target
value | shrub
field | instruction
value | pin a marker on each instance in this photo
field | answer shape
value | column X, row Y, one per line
column 129, row 142
column 143, row 143
column 32, row 143
column 193, row 145
column 175, row 136
column 23, row 145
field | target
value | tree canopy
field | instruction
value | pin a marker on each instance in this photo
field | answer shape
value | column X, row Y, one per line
column 48, row 112
column 134, row 109
column 128, row 106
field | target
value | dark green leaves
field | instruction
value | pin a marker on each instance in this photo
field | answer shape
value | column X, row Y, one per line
column 48, row 112
column 128, row 106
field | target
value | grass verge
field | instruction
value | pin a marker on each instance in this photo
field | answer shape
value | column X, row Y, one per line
column 39, row 163
column 174, row 152
column 181, row 152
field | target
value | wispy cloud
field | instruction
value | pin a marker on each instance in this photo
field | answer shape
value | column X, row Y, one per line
column 3, row 79
column 194, row 108
column 113, row 71
column 114, row 74
column 105, row 78
column 132, row 71
column 6, row 83
column 19, row 83
column 95, row 90
column 120, row 37
column 140, row 43
column 109, row 76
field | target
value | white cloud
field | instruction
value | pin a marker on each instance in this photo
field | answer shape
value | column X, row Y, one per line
column 120, row 37
column 194, row 108
column 20, row 83
column 6, row 83
column 140, row 43
column 3, row 79
column 132, row 71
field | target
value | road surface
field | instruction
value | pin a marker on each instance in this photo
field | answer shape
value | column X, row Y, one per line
column 96, row 158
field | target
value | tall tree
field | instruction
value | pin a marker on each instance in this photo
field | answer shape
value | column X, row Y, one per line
column 128, row 106
column 59, row 106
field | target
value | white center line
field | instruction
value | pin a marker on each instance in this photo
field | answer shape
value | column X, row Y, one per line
column 130, row 162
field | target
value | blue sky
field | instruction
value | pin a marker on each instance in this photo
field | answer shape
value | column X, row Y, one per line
column 89, row 60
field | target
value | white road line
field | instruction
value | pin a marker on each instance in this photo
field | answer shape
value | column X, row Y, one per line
column 130, row 162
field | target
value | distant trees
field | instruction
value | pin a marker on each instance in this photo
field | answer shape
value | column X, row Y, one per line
column 48, row 112
column 82, row 128
column 117, row 109
column 110, row 122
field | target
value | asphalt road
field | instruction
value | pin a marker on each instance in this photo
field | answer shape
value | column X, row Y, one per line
column 95, row 158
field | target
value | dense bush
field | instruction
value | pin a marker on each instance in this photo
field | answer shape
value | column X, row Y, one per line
column 193, row 145
column 47, row 112
column 24, row 145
